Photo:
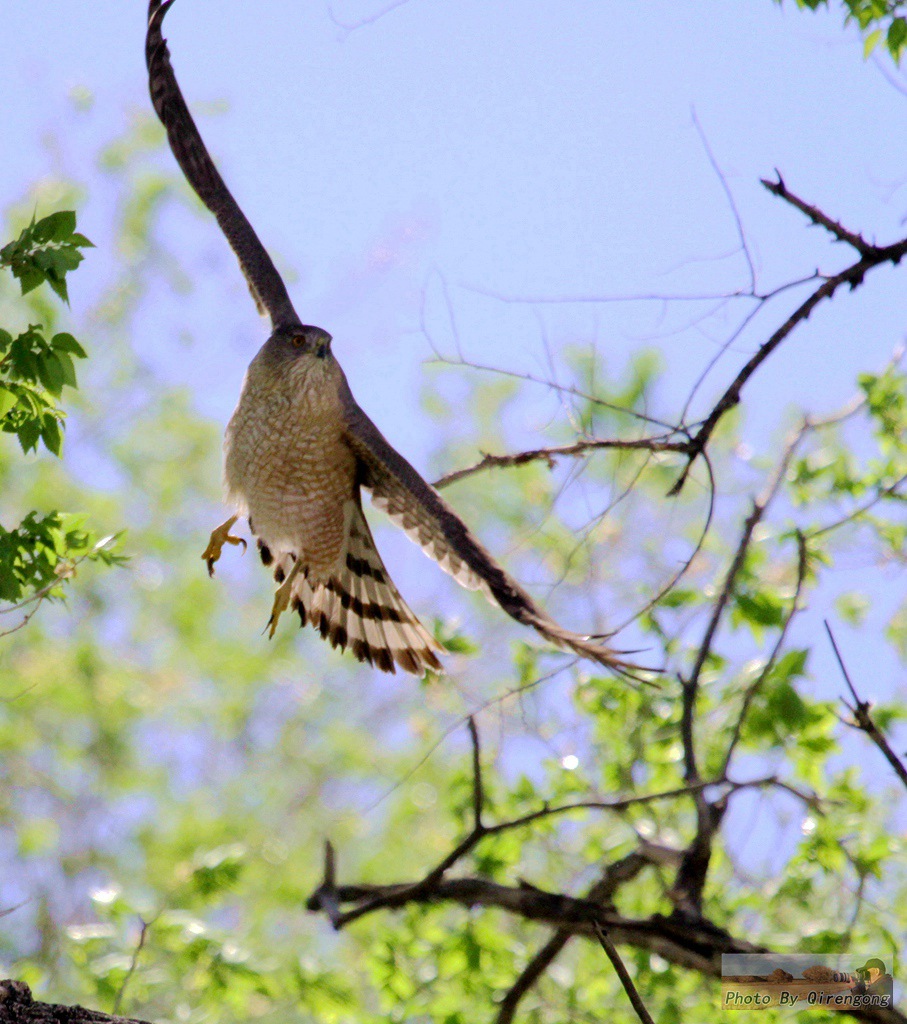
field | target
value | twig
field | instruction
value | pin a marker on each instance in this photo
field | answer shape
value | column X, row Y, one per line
column 863, row 719
column 632, row 993
column 691, row 875
column 690, row 685
column 729, row 196
column 25, row 618
column 758, row 682
column 13, row 909
column 551, row 455
column 890, row 491
column 613, row 876
column 530, row 974
column 688, row 561
column 328, row 889
column 478, row 795
column 496, row 701
column 564, row 389
column 133, row 963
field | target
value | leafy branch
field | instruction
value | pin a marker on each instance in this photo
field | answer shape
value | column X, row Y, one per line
column 46, row 250
column 43, row 551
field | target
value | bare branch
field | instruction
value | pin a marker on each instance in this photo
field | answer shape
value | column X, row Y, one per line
column 863, row 720
column 564, row 389
column 613, row 876
column 810, row 799
column 551, row 455
column 530, row 974
column 689, row 885
column 352, row 26
column 870, row 256
column 691, row 683
column 693, row 944
column 738, row 221
column 892, row 490
column 623, row 974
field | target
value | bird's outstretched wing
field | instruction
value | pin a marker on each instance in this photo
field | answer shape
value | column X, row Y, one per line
column 414, row 505
column 265, row 283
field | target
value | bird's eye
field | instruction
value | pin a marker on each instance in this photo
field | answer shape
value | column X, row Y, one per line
column 298, row 340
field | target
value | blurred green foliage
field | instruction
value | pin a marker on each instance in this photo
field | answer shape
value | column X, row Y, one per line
column 169, row 777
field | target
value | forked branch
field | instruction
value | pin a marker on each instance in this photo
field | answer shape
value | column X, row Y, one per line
column 870, row 256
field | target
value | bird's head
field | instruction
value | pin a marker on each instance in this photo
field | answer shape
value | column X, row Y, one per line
column 295, row 348
column 299, row 341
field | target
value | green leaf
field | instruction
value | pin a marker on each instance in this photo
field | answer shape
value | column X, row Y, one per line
column 680, row 597
column 871, row 42
column 67, row 367
column 51, row 434
column 7, row 401
column 59, row 287
column 29, row 434
column 763, row 608
column 50, row 373
column 29, row 278
column 790, row 665
column 67, row 343
column 897, row 36
column 852, row 607
column 56, row 227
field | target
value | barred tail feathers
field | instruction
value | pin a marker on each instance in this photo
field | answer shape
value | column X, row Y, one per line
column 359, row 608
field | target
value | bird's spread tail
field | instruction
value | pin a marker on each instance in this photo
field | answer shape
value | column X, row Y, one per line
column 359, row 608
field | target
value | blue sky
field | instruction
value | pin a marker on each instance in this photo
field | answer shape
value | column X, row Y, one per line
column 550, row 155
column 417, row 170
column 547, row 155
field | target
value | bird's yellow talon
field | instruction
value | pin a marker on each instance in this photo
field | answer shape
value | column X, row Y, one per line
column 281, row 603
column 282, row 599
column 219, row 537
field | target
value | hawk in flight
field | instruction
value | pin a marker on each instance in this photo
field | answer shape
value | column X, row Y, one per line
column 299, row 450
